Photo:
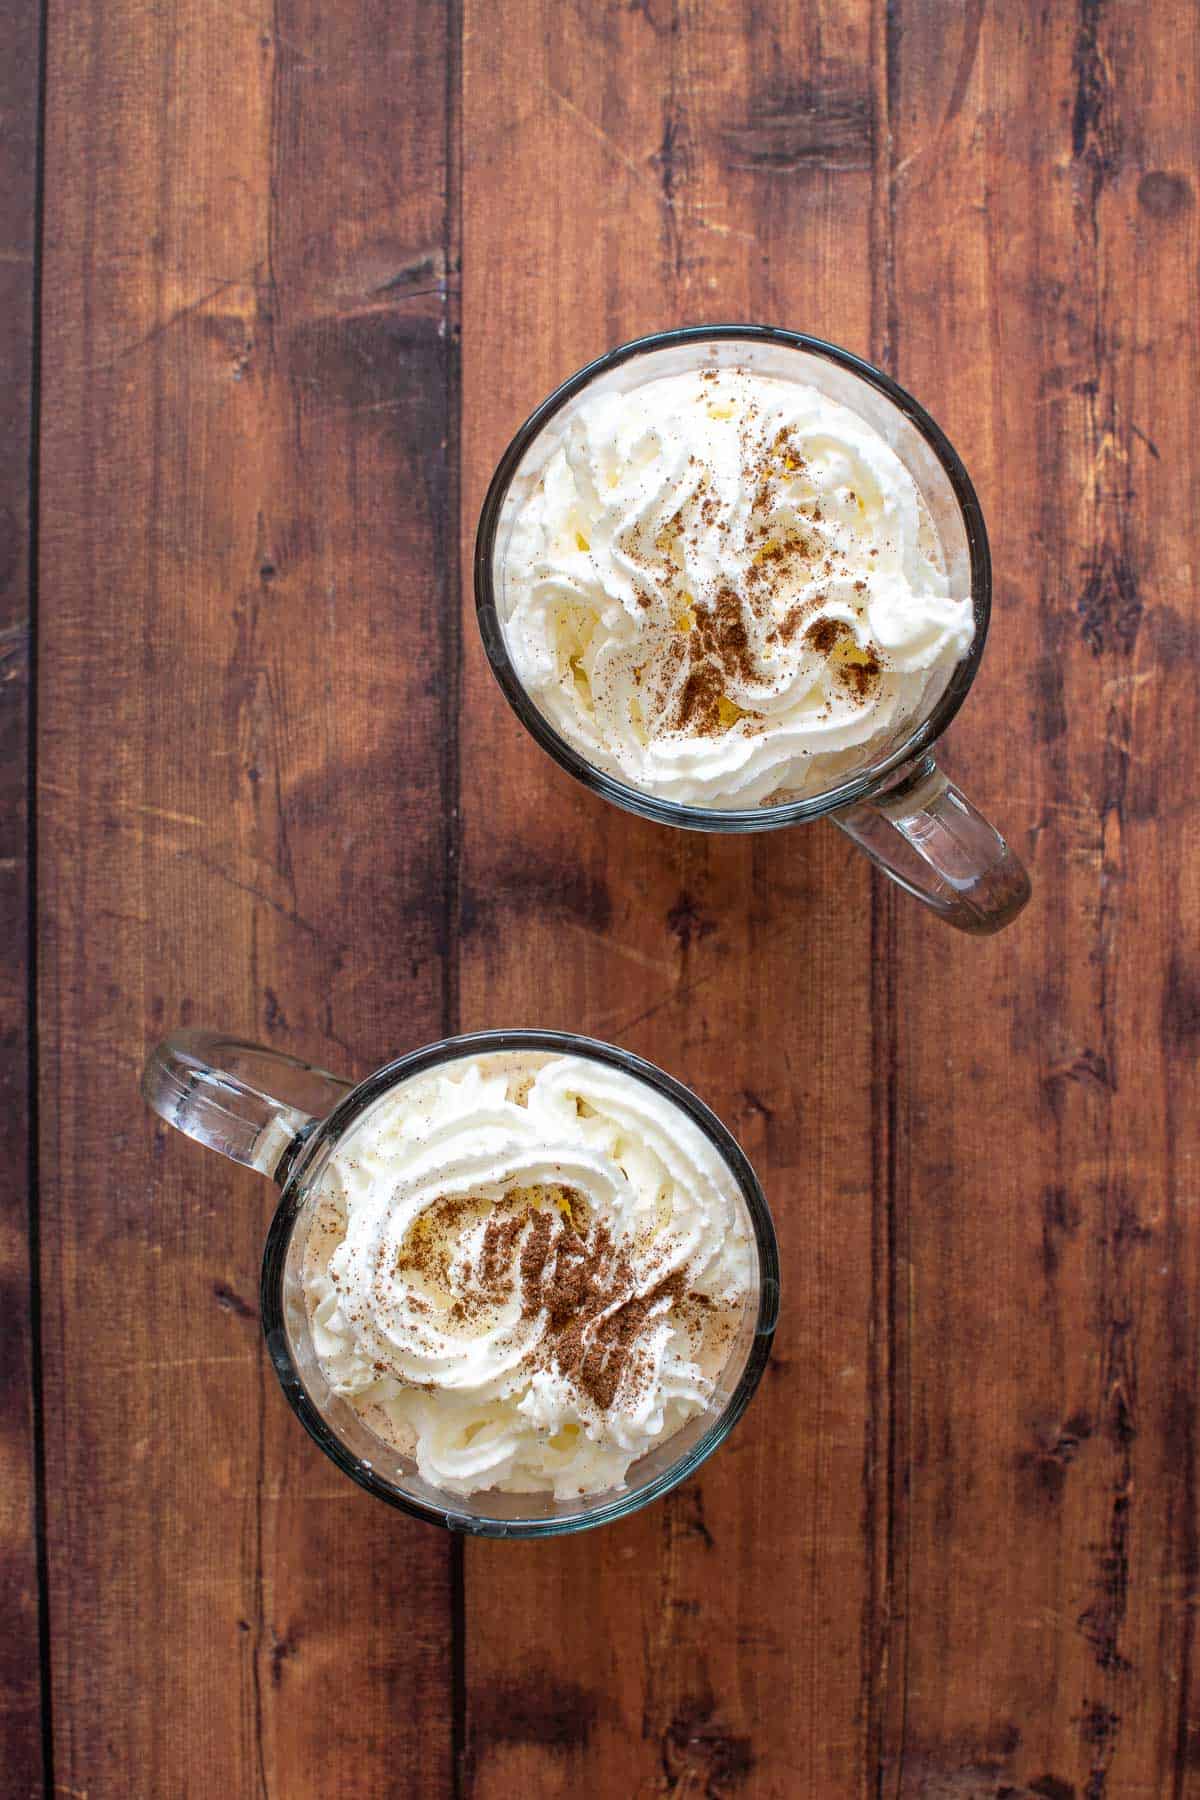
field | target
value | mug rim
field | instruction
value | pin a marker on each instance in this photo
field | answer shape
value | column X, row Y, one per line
column 675, row 812
column 328, row 1130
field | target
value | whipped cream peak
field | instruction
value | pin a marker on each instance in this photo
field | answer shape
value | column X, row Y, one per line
column 526, row 1271
column 726, row 590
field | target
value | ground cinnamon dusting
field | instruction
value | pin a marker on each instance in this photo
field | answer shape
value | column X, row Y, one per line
column 791, row 622
column 567, row 1271
column 861, row 676
column 596, row 1318
column 823, row 634
column 499, row 1241
column 857, row 669
column 710, row 654
column 586, row 1287
column 718, row 651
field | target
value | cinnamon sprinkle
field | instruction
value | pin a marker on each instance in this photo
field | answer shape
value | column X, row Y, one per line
column 569, row 1273
column 823, row 634
column 708, row 664
column 719, row 652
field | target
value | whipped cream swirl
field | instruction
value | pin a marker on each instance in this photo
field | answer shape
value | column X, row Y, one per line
column 726, row 590
column 526, row 1272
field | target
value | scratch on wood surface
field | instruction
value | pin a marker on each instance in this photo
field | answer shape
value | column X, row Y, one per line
column 1122, row 744
column 967, row 57
column 337, row 412
column 1121, row 683
column 686, row 989
column 128, row 806
column 175, row 317
column 972, row 24
column 229, row 1300
column 610, row 946
column 1141, row 436
column 601, row 136
column 247, row 887
column 721, row 229
column 430, row 263
column 1107, row 445
column 157, row 812
column 396, row 295
column 175, row 1362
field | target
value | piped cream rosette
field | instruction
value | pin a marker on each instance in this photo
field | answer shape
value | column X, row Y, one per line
column 451, row 1224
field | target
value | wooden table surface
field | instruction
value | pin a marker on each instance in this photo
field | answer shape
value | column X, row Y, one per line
column 279, row 279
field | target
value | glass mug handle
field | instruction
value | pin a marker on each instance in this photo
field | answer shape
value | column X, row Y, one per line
column 222, row 1092
column 925, row 834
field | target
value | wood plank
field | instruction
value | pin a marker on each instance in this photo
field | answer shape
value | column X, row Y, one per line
column 627, row 168
column 1045, row 259
column 246, row 706
column 20, row 1654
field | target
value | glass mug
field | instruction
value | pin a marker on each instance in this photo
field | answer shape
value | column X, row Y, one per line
column 911, row 821
column 286, row 1118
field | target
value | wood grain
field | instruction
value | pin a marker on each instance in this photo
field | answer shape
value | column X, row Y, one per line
column 725, row 1641
column 1045, row 282
column 952, row 1552
column 20, row 1646
column 245, row 568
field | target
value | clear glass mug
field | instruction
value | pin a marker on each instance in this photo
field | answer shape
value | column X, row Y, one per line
column 285, row 1118
column 912, row 822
